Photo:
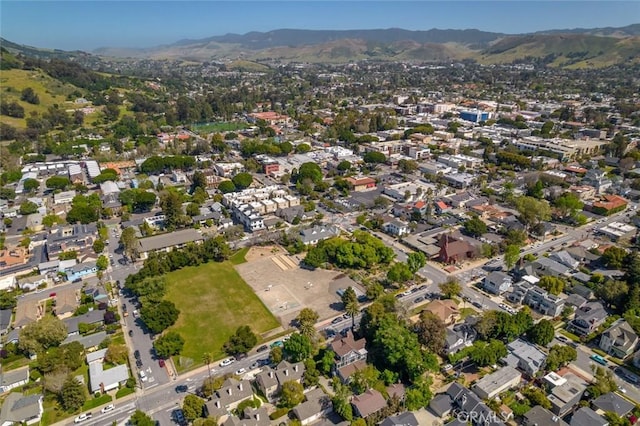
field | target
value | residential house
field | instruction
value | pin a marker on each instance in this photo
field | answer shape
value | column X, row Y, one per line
column 32, row 282
column 566, row 394
column 81, row 270
column 347, row 350
column 525, row 356
column 585, row 416
column 565, row 258
column 396, row 228
column 77, row 237
column 612, row 403
column 267, row 382
column 65, row 197
column 446, row 310
column 249, row 417
column 316, row 405
column 539, row 416
column 497, row 282
column 544, row 302
column 441, row 207
column 167, row 242
column 13, row 379
column 455, row 251
column 467, row 402
column 619, row 340
column 5, row 321
column 312, row 236
column 101, row 380
column 588, row 318
column 497, row 382
column 227, row 398
column 368, row 403
column 95, row 317
column 20, row 409
column 402, row 419
column 90, row 342
column 547, row 266
column 441, row 405
column 458, row 337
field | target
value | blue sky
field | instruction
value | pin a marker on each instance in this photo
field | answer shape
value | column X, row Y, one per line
column 90, row 24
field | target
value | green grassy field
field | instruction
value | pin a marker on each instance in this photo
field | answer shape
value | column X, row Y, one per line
column 219, row 127
column 214, row 301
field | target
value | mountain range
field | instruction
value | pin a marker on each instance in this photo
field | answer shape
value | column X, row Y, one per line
column 573, row 48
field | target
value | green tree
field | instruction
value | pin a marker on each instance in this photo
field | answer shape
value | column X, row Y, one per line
column 30, row 96
column 542, row 333
column 399, row 273
column 58, row 182
column 198, row 180
column 98, row 246
column 310, row 171
column 226, row 187
column 129, row 242
column 614, row 257
column 554, row 285
column 532, row 211
column 487, row 353
column 614, row 293
column 511, row 256
column 171, row 205
column 291, row 394
column 451, row 288
column 28, row 207
column 275, row 354
column 140, row 418
column 85, row 209
column 407, row 166
column 374, row 157
column 344, row 165
column 102, row 263
column 42, row 334
column 475, row 227
column 242, row 341
column 559, row 356
column 350, row 303
column 242, row 180
column 306, row 320
column 536, row 396
column 169, row 344
column 568, row 204
column 302, row 148
column 192, row 407
column 431, row 331
column 30, row 185
column 159, row 316
column 298, row 347
column 419, row 394
column 416, row 261
column 72, row 395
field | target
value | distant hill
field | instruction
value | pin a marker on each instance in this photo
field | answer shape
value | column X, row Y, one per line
column 575, row 48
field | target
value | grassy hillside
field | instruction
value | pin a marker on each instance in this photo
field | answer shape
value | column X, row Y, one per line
column 49, row 90
column 564, row 50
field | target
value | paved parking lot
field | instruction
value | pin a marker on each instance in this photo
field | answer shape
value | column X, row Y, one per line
column 285, row 288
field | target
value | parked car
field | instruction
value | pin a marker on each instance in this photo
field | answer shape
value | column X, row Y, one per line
column 108, row 408
column 599, row 359
column 241, row 371
column 138, row 363
column 178, row 417
column 563, row 339
column 181, row 388
column 136, row 354
column 82, row 417
column 418, row 299
column 337, row 320
column 161, row 363
column 226, row 362
column 277, row 343
column 143, row 376
column 130, row 332
column 262, row 348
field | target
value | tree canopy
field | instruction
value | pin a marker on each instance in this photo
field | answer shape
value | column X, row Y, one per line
column 169, row 344
column 242, row 341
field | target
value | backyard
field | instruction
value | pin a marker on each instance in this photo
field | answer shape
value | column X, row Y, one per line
column 213, row 301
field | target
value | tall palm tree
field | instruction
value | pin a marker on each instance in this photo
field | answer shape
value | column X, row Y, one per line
column 350, row 302
column 207, row 359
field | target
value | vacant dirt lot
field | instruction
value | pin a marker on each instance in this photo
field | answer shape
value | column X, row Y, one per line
column 285, row 288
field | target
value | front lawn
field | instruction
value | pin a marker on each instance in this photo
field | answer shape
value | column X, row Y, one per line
column 213, row 301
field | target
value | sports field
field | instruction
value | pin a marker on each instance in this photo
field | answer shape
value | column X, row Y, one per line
column 213, row 301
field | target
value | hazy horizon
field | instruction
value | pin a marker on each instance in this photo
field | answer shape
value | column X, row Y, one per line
column 88, row 25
